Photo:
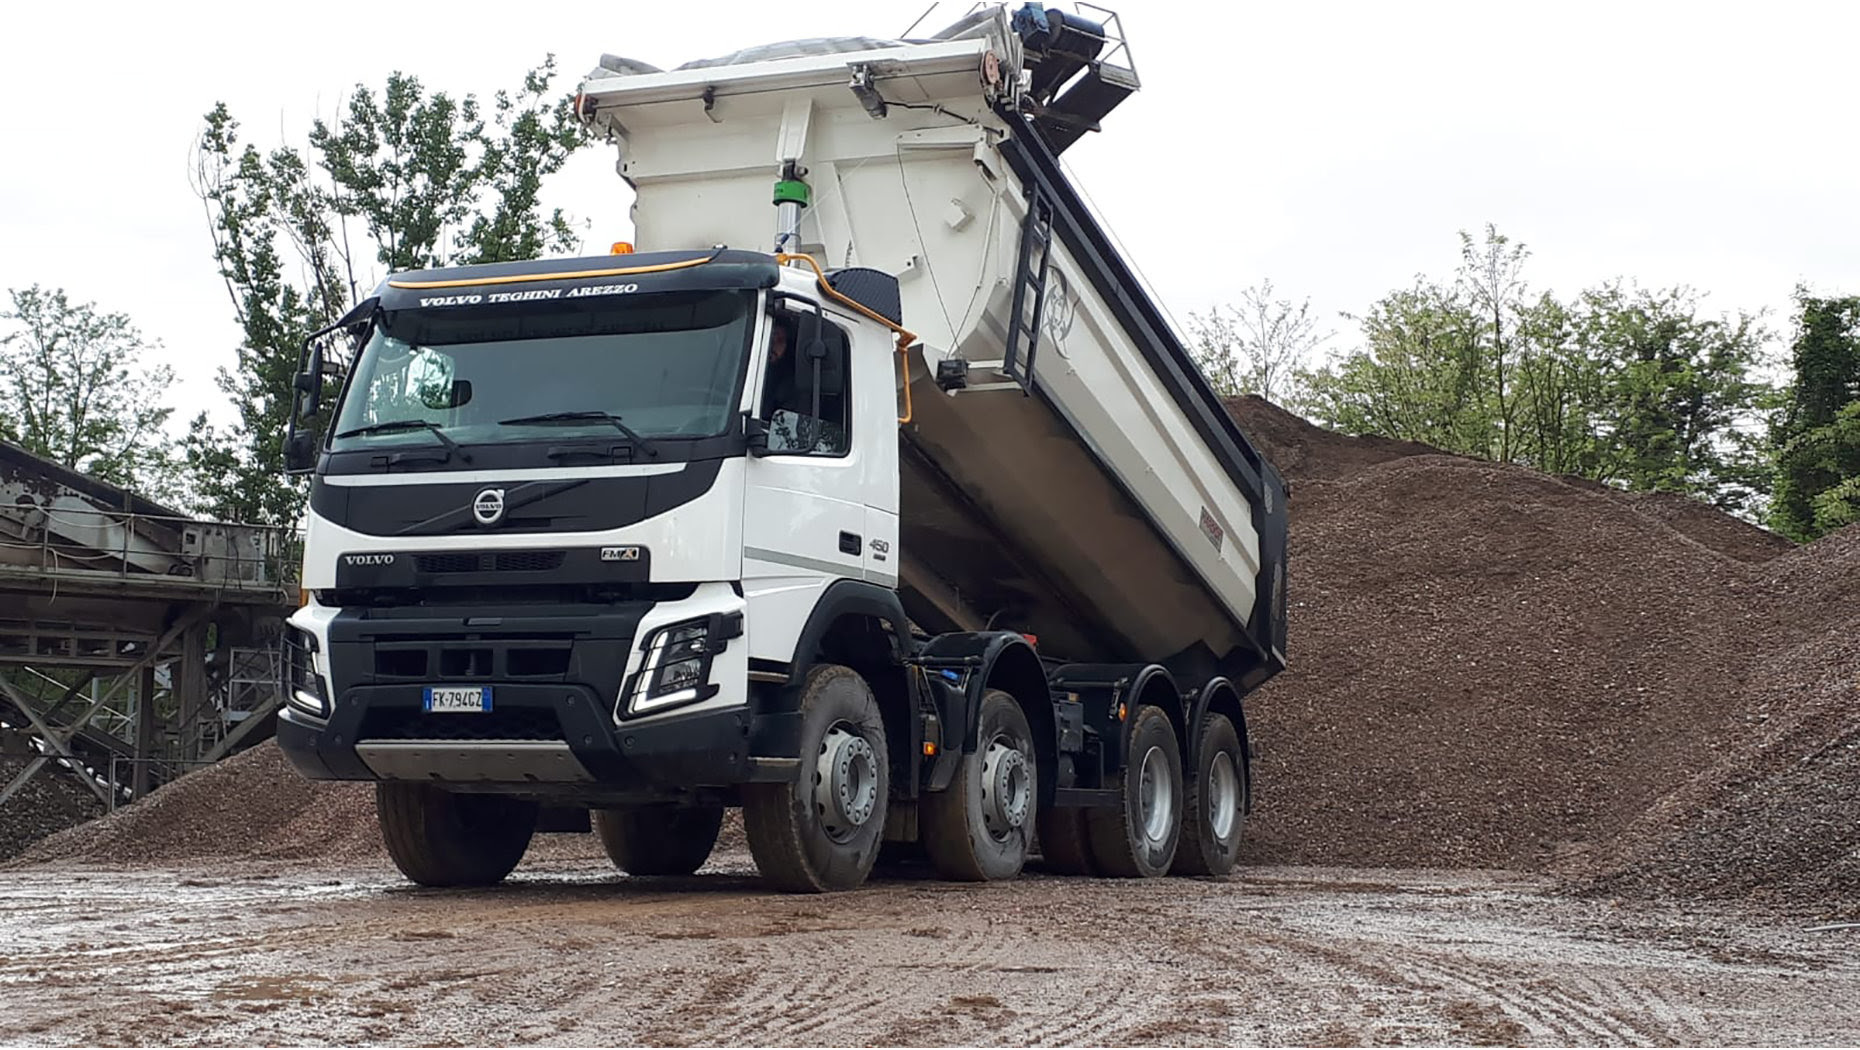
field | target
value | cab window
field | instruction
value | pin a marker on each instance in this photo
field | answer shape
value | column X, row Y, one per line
column 788, row 390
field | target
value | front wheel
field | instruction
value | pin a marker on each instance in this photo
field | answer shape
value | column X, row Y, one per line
column 438, row 838
column 981, row 826
column 820, row 831
column 1139, row 839
column 659, row 839
column 1216, row 802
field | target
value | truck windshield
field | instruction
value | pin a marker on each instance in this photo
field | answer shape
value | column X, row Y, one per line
column 667, row 364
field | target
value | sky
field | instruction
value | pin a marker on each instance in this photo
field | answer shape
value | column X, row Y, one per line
column 1336, row 149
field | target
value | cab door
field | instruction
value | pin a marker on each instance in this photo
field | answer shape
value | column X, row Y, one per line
column 804, row 507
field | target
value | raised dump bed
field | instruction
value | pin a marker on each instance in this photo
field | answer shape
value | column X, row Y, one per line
column 1069, row 474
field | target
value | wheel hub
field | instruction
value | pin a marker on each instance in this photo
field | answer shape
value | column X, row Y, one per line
column 845, row 782
column 1155, row 796
column 1007, row 789
column 1223, row 796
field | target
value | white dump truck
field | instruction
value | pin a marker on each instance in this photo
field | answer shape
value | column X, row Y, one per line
column 871, row 495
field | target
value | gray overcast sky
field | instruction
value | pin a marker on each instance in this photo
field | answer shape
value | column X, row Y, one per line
column 1335, row 148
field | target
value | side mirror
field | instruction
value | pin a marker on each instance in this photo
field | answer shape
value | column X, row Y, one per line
column 303, row 427
column 299, row 453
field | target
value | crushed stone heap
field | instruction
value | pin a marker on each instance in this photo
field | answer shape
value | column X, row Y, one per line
column 1493, row 667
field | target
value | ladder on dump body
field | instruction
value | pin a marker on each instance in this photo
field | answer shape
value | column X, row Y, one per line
column 1027, row 314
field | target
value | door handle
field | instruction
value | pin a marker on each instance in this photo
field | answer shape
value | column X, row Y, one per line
column 850, row 543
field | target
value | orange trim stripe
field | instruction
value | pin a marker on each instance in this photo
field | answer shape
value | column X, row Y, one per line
column 577, row 275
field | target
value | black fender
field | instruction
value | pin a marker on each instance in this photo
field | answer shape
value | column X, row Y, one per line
column 847, row 598
column 971, row 663
column 1220, row 696
column 1154, row 685
column 1106, row 686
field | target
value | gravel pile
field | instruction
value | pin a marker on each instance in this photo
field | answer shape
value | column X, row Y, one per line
column 1711, row 527
column 1492, row 667
column 53, row 800
column 251, row 806
column 1776, row 819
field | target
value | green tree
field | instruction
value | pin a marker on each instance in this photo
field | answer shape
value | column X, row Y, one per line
column 1255, row 347
column 1679, row 410
column 405, row 179
column 1817, row 434
column 1559, row 386
column 1629, row 387
column 1491, row 282
column 1419, row 375
column 72, row 390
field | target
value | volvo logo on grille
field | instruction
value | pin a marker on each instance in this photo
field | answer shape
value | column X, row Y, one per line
column 369, row 559
column 488, row 507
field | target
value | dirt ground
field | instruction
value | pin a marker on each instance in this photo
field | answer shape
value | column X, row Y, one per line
column 570, row 952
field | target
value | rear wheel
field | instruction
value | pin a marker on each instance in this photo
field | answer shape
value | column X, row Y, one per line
column 820, row 831
column 1139, row 839
column 981, row 826
column 1216, row 812
column 659, row 839
column 438, row 838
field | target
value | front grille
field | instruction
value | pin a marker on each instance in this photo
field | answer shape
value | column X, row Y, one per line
column 501, row 561
column 529, row 561
column 536, row 655
column 514, row 723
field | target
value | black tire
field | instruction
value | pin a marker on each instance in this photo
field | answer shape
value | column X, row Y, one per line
column 438, row 838
column 1065, row 842
column 659, row 839
column 1215, row 816
column 1125, row 842
column 980, row 828
column 801, row 846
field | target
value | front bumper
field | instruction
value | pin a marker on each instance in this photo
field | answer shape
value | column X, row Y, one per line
column 554, row 674
column 534, row 735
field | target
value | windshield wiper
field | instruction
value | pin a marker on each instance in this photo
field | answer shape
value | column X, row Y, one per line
column 562, row 419
column 410, row 424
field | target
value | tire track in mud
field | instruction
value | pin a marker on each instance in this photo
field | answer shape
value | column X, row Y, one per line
column 1570, row 1006
column 787, row 977
column 1665, row 1019
column 1523, row 1001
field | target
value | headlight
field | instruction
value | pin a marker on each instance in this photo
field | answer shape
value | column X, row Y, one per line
column 304, row 689
column 677, row 666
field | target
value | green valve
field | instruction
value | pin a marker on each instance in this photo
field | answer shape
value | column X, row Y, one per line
column 791, row 191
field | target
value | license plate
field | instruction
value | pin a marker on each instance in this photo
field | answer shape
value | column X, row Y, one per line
column 458, row 698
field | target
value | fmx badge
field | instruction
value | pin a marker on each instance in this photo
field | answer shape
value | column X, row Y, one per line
column 619, row 553
column 488, row 506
